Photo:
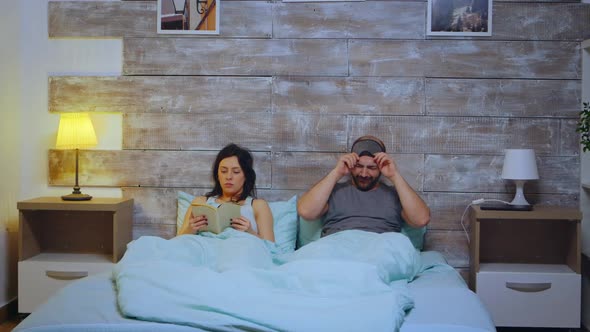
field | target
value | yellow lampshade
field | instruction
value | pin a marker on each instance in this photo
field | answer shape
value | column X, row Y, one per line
column 75, row 131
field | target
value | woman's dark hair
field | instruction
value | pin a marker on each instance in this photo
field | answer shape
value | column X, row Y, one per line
column 246, row 163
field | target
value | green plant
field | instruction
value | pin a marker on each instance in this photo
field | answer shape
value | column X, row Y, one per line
column 584, row 126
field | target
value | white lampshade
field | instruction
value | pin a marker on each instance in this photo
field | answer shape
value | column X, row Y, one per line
column 520, row 164
column 75, row 131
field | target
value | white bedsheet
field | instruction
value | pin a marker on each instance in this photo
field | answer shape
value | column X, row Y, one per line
column 443, row 303
column 351, row 281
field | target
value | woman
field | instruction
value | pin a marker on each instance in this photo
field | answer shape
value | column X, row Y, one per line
column 235, row 180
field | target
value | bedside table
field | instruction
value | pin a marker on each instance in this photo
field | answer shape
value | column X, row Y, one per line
column 526, row 265
column 61, row 241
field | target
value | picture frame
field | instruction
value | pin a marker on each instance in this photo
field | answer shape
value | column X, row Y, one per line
column 188, row 17
column 459, row 18
column 323, row 0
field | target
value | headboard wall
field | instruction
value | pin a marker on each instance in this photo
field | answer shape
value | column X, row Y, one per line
column 298, row 82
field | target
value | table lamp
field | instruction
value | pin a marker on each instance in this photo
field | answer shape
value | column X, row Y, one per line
column 520, row 166
column 75, row 132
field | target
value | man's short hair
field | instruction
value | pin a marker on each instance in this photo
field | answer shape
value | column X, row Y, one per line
column 367, row 146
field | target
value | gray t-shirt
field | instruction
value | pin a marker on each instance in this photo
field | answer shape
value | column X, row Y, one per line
column 378, row 210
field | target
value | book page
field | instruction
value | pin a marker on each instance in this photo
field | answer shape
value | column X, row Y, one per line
column 218, row 219
column 210, row 213
column 226, row 212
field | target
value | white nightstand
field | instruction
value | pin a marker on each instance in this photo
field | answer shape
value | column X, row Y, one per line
column 61, row 241
column 525, row 265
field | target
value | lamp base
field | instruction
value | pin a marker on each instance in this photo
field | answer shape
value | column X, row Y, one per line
column 76, row 195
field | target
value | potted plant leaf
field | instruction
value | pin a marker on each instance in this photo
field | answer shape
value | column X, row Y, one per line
column 584, row 127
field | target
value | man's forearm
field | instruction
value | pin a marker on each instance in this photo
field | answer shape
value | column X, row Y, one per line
column 415, row 209
column 313, row 203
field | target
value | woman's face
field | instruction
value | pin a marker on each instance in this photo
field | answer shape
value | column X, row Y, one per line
column 231, row 177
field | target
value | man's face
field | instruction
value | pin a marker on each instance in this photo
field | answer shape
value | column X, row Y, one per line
column 365, row 174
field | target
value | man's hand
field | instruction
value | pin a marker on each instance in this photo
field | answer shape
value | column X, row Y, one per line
column 414, row 210
column 386, row 164
column 346, row 163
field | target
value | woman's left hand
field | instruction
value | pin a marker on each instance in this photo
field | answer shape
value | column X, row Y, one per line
column 242, row 224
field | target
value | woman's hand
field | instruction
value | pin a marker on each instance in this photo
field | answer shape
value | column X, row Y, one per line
column 242, row 224
column 197, row 223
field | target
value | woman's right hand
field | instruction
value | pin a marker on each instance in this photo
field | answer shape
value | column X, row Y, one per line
column 197, row 223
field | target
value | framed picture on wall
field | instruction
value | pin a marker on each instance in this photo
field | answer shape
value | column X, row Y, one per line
column 322, row 0
column 459, row 18
column 191, row 17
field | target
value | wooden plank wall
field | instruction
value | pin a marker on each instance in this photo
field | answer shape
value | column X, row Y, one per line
column 298, row 82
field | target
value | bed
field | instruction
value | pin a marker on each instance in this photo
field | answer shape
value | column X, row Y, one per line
column 349, row 281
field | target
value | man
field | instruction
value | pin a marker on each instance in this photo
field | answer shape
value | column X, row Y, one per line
column 364, row 203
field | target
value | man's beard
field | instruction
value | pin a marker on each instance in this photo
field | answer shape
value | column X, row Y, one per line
column 365, row 186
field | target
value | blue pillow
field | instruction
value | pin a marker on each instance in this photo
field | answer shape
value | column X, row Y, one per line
column 284, row 214
column 309, row 231
column 416, row 235
column 184, row 201
column 285, row 223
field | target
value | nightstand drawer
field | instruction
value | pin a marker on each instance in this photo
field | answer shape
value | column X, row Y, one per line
column 532, row 298
column 43, row 275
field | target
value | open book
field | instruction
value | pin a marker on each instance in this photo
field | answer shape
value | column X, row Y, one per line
column 218, row 218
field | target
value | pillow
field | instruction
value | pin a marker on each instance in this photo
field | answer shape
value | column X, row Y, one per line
column 284, row 214
column 416, row 235
column 285, row 223
column 184, row 201
column 309, row 231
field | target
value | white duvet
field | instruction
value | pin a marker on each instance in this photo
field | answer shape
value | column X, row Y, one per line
column 348, row 281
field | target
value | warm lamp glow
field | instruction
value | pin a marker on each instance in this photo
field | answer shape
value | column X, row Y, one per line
column 75, row 132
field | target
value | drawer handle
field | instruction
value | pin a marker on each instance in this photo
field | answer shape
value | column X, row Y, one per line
column 66, row 275
column 528, row 287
